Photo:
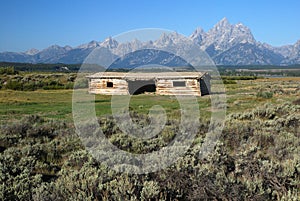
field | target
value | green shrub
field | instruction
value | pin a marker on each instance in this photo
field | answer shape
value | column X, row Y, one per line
column 8, row 70
column 69, row 85
column 150, row 190
column 264, row 94
column 229, row 82
column 30, row 86
column 31, row 82
column 81, row 83
column 296, row 102
column 239, row 77
column 14, row 85
column 53, row 87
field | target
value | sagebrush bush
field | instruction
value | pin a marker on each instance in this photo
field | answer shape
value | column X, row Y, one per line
column 255, row 158
column 81, row 83
column 32, row 82
column 264, row 94
column 8, row 70
column 296, row 102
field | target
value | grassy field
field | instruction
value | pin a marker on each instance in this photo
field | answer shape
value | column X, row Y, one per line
column 57, row 104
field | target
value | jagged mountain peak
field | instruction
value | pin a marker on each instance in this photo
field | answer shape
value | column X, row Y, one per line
column 32, row 51
column 67, row 47
column 297, row 44
column 168, row 36
column 172, row 36
column 54, row 47
column 242, row 28
column 123, row 48
column 167, row 39
column 198, row 35
column 91, row 44
column 224, row 36
column 136, row 42
column 109, row 43
column 223, row 23
column 198, row 30
column 163, row 40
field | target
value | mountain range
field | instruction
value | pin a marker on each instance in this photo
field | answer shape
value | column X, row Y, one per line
column 225, row 43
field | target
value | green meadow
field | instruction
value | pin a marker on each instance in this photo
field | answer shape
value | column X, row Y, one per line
column 241, row 96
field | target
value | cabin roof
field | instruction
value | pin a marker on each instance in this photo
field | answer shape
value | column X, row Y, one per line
column 147, row 76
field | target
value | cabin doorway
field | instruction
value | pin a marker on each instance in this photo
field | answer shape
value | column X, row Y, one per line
column 141, row 86
column 204, row 87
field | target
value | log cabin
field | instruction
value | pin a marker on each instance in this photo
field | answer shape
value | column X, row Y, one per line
column 162, row 83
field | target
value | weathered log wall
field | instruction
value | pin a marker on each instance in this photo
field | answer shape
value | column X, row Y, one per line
column 99, row 86
column 166, row 87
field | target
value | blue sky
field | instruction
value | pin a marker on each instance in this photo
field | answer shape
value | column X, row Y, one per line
column 41, row 23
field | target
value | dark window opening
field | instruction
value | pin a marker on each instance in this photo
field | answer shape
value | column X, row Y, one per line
column 109, row 84
column 141, row 86
column 204, row 87
column 178, row 83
